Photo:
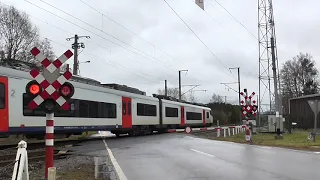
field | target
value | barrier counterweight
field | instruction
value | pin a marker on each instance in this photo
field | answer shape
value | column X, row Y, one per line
column 49, row 142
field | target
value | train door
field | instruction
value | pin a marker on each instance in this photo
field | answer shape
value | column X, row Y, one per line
column 182, row 116
column 204, row 116
column 126, row 112
column 4, row 105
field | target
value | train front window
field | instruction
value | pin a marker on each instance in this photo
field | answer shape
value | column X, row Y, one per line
column 2, row 96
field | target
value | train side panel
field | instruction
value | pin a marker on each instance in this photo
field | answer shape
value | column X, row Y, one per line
column 193, row 115
column 171, row 112
column 145, row 111
column 88, row 108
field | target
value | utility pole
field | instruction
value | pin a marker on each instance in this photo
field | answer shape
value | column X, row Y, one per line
column 239, row 87
column 275, row 84
column 180, row 83
column 165, row 88
column 76, row 45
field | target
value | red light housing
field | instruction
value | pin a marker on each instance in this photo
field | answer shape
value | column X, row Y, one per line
column 66, row 90
column 33, row 88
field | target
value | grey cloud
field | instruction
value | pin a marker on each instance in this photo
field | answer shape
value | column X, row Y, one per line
column 297, row 25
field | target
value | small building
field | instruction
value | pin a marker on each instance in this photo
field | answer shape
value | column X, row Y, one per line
column 301, row 112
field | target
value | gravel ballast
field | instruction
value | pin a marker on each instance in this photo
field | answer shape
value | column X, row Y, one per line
column 71, row 168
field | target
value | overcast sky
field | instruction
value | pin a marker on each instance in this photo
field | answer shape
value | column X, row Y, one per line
column 155, row 24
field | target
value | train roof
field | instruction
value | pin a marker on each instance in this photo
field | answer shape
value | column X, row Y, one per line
column 91, row 84
column 169, row 98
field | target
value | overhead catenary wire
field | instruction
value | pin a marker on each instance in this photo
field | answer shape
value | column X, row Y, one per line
column 152, row 58
column 235, row 37
column 122, row 26
column 197, row 36
column 94, row 56
column 236, row 20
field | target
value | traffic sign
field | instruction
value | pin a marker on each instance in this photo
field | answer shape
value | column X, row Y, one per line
column 188, row 130
column 50, row 82
column 313, row 105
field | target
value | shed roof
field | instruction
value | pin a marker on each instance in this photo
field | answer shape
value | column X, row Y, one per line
column 306, row 96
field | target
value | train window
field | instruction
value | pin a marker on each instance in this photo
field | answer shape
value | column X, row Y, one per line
column 2, row 96
column 129, row 108
column 109, row 110
column 124, row 108
column 171, row 112
column 194, row 116
column 82, row 109
column 207, row 114
column 146, row 110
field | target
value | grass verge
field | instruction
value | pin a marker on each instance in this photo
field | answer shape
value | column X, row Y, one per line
column 295, row 140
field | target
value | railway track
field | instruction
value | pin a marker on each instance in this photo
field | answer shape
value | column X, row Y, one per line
column 32, row 157
column 41, row 144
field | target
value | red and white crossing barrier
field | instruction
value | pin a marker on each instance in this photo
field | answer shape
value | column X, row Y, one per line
column 226, row 129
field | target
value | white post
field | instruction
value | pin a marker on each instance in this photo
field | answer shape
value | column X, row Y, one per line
column 20, row 171
column 229, row 131
column 51, row 173
column 218, row 132
column 232, row 131
column 224, row 132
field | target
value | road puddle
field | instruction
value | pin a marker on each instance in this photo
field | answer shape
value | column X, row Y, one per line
column 103, row 168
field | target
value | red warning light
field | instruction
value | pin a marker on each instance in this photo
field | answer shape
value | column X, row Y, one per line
column 34, row 89
column 65, row 90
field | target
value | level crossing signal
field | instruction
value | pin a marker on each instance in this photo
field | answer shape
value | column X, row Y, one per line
column 248, row 107
column 50, row 90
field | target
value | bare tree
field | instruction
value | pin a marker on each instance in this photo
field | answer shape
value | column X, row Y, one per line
column 18, row 36
column 44, row 46
column 216, row 98
column 192, row 98
column 173, row 92
column 299, row 76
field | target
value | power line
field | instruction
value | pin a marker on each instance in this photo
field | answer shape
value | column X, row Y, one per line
column 227, row 29
column 230, row 87
column 236, row 19
column 96, row 57
column 108, row 34
column 116, row 22
column 196, row 35
column 97, row 34
column 104, row 15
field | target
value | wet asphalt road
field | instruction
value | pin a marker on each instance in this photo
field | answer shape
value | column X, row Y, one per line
column 182, row 157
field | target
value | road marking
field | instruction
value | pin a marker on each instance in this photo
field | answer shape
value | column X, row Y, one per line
column 317, row 152
column 264, row 147
column 119, row 171
column 202, row 152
